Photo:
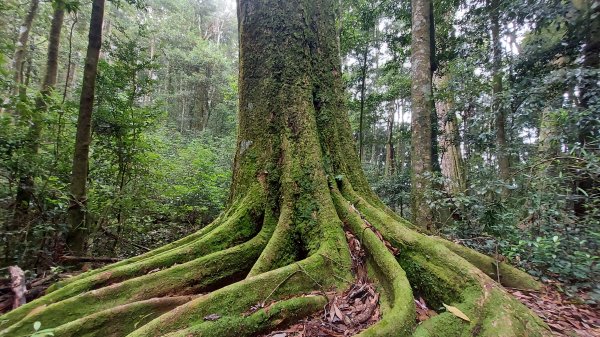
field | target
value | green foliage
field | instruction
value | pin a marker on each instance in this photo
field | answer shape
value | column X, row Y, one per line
column 150, row 181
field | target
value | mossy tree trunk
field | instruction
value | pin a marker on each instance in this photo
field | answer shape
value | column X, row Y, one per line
column 297, row 183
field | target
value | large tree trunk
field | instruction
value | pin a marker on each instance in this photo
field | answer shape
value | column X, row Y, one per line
column 297, row 182
column 78, row 231
column 421, row 145
column 497, row 98
column 25, row 187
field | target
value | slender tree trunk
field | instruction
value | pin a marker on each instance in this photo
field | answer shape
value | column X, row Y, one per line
column 25, row 188
column 421, row 145
column 389, row 146
column 69, row 71
column 452, row 164
column 78, row 231
column 21, row 48
column 498, row 108
column 590, row 126
column 363, row 79
column 403, row 144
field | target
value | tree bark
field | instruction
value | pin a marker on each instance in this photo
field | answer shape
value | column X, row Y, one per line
column 498, row 108
column 452, row 163
column 363, row 79
column 421, row 147
column 21, row 47
column 78, row 226
column 297, row 183
column 390, row 164
column 590, row 126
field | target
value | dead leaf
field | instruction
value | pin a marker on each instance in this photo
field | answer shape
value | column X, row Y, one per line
column 456, row 312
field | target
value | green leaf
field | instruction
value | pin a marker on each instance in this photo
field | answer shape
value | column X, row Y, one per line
column 37, row 325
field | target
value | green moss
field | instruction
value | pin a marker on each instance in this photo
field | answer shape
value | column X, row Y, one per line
column 121, row 320
column 237, row 298
column 277, row 315
column 191, row 277
column 509, row 275
column 400, row 317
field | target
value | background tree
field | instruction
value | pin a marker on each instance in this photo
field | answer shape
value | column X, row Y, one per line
column 76, row 240
column 421, row 148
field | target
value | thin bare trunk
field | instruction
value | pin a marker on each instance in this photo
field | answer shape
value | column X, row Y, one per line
column 389, row 146
column 21, row 47
column 421, row 149
column 363, row 75
column 497, row 92
column 78, row 230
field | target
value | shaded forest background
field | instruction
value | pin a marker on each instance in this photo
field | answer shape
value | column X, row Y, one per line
column 515, row 165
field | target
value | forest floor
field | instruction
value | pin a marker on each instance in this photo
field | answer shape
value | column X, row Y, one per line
column 347, row 313
column 357, row 308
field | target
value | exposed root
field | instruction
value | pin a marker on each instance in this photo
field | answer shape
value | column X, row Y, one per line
column 348, row 313
column 399, row 310
column 443, row 277
column 278, row 314
column 280, row 251
column 191, row 277
column 509, row 276
column 120, row 320
column 233, row 300
column 236, row 212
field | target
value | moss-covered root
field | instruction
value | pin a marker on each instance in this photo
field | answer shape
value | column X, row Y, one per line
column 399, row 313
column 315, row 272
column 241, row 226
column 237, row 212
column 492, row 313
column 280, row 250
column 206, row 273
column 443, row 277
column 275, row 316
column 509, row 276
column 121, row 320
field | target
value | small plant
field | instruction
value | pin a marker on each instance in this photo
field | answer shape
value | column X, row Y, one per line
column 41, row 333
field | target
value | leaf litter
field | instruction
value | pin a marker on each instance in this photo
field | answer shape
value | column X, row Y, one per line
column 347, row 313
column 564, row 316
